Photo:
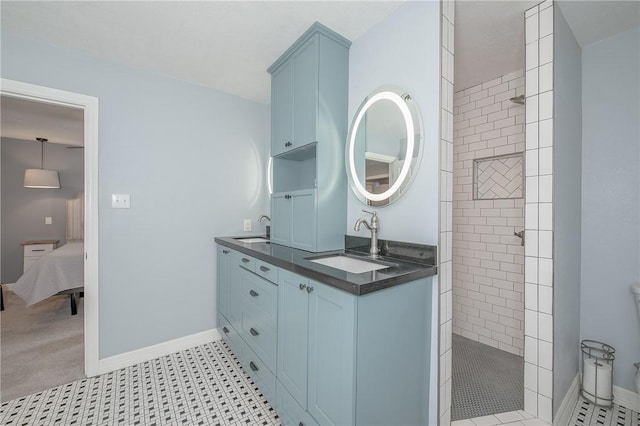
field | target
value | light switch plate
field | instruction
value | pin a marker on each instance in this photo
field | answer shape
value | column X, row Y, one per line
column 120, row 201
column 247, row 225
column 48, row 220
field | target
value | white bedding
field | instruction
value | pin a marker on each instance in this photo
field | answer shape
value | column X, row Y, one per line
column 62, row 269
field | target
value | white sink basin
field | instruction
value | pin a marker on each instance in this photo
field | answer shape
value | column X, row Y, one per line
column 349, row 264
column 253, row 240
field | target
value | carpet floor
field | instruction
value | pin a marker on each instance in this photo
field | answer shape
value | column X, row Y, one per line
column 485, row 380
column 41, row 346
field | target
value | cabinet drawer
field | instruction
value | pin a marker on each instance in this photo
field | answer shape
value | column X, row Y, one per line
column 259, row 332
column 229, row 335
column 258, row 292
column 260, row 374
column 247, row 262
column 36, row 250
column 267, row 271
column 289, row 411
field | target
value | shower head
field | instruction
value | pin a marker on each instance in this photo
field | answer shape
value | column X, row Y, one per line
column 518, row 100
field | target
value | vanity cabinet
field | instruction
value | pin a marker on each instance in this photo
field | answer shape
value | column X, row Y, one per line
column 294, row 219
column 316, row 356
column 309, row 88
column 324, row 356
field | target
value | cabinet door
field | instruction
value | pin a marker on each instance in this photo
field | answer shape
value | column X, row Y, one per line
column 280, row 219
column 331, row 398
column 234, row 302
column 305, row 93
column 303, row 220
column 224, row 263
column 282, row 109
column 293, row 314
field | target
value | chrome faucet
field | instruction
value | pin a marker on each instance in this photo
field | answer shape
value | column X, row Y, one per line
column 267, row 228
column 374, row 226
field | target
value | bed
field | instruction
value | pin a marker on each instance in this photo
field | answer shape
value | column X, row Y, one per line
column 60, row 271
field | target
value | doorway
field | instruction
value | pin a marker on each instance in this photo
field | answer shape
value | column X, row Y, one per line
column 16, row 90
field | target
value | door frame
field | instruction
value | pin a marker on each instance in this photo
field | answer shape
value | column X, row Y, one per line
column 89, row 104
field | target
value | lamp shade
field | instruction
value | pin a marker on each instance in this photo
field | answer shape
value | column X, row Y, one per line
column 41, row 178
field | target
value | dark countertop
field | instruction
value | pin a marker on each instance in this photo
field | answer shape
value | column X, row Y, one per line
column 400, row 270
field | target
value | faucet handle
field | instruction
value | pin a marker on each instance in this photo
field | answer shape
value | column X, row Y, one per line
column 372, row 213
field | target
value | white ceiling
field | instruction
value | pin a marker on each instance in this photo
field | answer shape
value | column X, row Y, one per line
column 489, row 37
column 228, row 45
column 28, row 120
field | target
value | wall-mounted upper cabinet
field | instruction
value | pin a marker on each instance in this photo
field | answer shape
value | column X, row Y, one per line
column 309, row 91
column 315, row 67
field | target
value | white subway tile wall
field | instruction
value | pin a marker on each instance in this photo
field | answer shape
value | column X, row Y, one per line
column 488, row 260
column 539, row 211
column 446, row 207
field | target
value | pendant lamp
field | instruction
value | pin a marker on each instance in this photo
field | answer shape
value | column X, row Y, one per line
column 41, row 178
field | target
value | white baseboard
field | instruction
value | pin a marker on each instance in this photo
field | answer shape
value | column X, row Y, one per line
column 8, row 286
column 626, row 398
column 137, row 356
column 563, row 415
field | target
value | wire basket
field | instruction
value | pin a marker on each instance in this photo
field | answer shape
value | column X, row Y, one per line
column 597, row 372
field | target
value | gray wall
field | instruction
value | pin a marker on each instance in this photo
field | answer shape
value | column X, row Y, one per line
column 193, row 160
column 610, row 197
column 387, row 55
column 567, row 171
column 24, row 209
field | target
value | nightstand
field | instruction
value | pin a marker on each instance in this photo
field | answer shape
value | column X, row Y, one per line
column 34, row 249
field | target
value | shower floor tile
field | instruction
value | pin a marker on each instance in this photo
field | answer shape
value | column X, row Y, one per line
column 486, row 380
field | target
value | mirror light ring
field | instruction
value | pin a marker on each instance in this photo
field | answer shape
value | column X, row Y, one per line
column 404, row 109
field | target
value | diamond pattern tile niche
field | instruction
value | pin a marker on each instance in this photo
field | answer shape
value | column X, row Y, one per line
column 498, row 177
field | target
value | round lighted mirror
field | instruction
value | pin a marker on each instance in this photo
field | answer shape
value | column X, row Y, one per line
column 384, row 146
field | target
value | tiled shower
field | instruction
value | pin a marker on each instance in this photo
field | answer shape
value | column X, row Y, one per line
column 488, row 210
column 502, row 291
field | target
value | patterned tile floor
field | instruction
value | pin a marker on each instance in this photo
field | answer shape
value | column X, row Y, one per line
column 584, row 414
column 589, row 414
column 204, row 385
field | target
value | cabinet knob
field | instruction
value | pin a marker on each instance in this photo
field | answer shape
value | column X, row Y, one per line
column 309, row 289
column 253, row 366
column 300, row 424
column 225, row 251
column 264, row 269
column 253, row 332
column 302, row 286
column 245, row 260
column 253, row 293
column 226, row 330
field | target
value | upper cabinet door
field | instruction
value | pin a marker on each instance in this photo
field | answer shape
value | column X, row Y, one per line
column 305, row 93
column 282, row 109
column 303, row 220
column 281, row 219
